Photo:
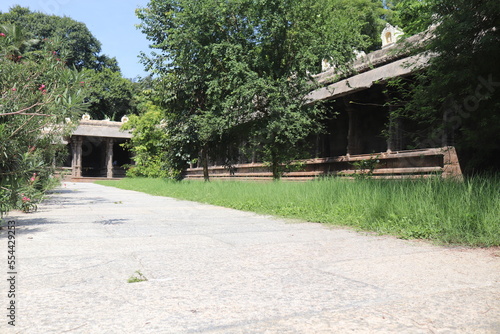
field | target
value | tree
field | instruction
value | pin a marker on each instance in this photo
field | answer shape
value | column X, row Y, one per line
column 373, row 15
column 197, row 35
column 109, row 94
column 149, row 145
column 14, row 42
column 237, row 71
column 38, row 93
column 76, row 43
column 456, row 97
column 150, row 141
column 413, row 16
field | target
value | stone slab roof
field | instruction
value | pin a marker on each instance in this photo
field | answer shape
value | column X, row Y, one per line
column 376, row 67
column 107, row 129
column 367, row 79
column 376, row 58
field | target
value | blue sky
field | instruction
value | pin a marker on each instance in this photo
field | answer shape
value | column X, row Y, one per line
column 112, row 22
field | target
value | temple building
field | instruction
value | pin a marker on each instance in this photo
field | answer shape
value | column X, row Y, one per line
column 360, row 126
column 96, row 149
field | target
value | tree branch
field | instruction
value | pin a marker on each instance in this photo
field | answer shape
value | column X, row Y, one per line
column 21, row 112
column 19, row 128
column 34, row 114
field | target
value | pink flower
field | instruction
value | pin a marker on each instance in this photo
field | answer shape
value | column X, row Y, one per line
column 14, row 89
column 26, row 199
column 41, row 87
column 32, row 179
column 2, row 34
column 54, row 53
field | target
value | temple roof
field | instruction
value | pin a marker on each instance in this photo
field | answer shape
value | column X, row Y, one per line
column 392, row 61
column 107, row 129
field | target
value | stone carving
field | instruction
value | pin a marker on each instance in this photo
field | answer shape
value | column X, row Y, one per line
column 325, row 65
column 390, row 35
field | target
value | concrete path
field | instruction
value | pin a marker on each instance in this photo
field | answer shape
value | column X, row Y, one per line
column 217, row 270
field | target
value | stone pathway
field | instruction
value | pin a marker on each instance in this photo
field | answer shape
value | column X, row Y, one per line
column 217, row 270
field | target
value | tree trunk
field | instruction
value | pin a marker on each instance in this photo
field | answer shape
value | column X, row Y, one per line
column 275, row 168
column 204, row 162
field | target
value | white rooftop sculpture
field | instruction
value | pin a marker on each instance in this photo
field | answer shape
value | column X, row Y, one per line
column 390, row 35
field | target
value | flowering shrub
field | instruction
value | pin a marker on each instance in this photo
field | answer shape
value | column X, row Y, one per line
column 27, row 205
column 37, row 94
column 31, row 194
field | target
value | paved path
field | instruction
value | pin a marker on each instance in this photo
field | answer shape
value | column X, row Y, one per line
column 217, row 270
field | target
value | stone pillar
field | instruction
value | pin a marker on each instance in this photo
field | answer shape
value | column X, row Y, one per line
column 109, row 158
column 451, row 165
column 395, row 135
column 445, row 138
column 76, row 162
column 354, row 134
column 395, row 130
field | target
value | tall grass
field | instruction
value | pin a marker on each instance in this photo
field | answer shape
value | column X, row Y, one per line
column 466, row 213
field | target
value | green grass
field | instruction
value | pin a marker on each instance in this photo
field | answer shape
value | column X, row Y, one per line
column 137, row 278
column 465, row 213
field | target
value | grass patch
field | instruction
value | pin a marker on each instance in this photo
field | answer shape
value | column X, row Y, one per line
column 465, row 213
column 137, row 278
